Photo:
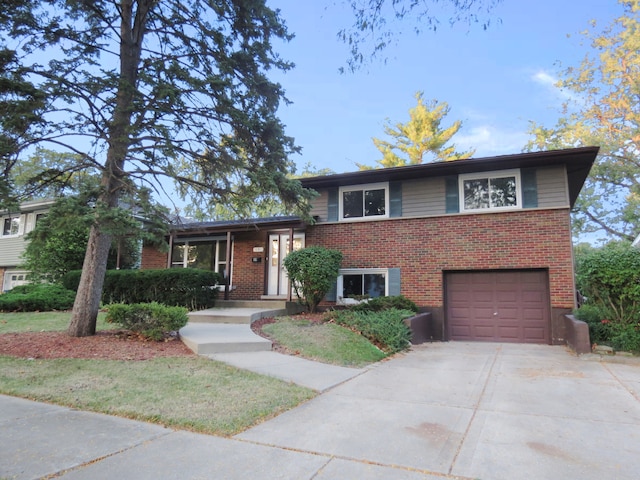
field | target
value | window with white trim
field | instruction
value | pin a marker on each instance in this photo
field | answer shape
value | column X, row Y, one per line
column 207, row 254
column 11, row 225
column 364, row 201
column 360, row 283
column 499, row 190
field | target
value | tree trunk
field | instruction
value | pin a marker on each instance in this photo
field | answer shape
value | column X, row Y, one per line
column 87, row 303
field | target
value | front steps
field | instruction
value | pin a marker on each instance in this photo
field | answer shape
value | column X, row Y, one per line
column 227, row 327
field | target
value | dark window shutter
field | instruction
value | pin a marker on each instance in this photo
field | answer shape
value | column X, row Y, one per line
column 394, row 282
column 332, row 294
column 332, row 206
column 529, row 188
column 452, row 194
column 395, row 199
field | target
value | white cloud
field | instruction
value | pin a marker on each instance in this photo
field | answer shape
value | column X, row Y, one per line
column 546, row 79
column 490, row 140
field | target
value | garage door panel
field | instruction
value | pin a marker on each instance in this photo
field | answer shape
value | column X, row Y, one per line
column 503, row 306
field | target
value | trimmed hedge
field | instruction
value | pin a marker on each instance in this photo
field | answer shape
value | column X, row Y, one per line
column 385, row 329
column 151, row 320
column 37, row 298
column 186, row 287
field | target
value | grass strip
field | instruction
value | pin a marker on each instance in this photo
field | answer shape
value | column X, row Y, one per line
column 324, row 342
column 196, row 394
column 43, row 322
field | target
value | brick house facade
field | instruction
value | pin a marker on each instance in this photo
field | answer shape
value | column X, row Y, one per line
column 484, row 245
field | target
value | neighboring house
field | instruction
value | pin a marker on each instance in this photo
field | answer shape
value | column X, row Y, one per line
column 15, row 225
column 483, row 244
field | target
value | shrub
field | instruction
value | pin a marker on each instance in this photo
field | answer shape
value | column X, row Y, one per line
column 385, row 328
column 609, row 277
column 378, row 304
column 627, row 338
column 37, row 298
column 600, row 327
column 151, row 320
column 313, row 272
column 187, row 287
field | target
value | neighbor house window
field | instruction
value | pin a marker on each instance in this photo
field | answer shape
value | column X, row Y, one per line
column 364, row 201
column 205, row 254
column 490, row 191
column 358, row 284
column 10, row 225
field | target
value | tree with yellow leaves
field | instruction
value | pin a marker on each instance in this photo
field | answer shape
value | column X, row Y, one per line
column 422, row 139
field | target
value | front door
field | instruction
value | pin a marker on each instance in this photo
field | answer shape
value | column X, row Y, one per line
column 278, row 250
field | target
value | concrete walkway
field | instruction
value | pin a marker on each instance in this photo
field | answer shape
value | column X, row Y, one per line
column 441, row 411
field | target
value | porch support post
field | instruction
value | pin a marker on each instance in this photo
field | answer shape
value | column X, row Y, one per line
column 290, row 250
column 170, row 250
column 227, row 276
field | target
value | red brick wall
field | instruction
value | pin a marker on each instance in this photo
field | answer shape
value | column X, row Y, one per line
column 153, row 258
column 248, row 277
column 424, row 248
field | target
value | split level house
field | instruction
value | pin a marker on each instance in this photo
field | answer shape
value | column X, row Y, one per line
column 15, row 225
column 484, row 245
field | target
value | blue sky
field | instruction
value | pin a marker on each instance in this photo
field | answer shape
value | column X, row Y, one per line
column 494, row 80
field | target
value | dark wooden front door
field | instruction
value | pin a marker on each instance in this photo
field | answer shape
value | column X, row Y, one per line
column 498, row 306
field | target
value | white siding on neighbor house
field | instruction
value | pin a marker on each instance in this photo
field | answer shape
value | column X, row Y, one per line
column 553, row 190
column 10, row 251
column 423, row 197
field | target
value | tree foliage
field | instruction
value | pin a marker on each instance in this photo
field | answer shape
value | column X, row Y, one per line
column 604, row 109
column 132, row 85
column 378, row 23
column 609, row 277
column 313, row 272
column 421, row 139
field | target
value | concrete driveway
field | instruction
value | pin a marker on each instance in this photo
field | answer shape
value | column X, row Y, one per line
column 444, row 410
column 474, row 410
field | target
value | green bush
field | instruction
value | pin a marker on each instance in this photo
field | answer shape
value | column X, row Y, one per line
column 627, row 339
column 313, row 272
column 385, row 328
column 609, row 277
column 187, row 287
column 37, row 298
column 378, row 304
column 600, row 327
column 151, row 320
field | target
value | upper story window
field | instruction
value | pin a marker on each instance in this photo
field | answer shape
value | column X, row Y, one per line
column 11, row 226
column 364, row 201
column 490, row 191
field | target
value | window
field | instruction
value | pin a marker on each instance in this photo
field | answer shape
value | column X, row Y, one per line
column 490, row 191
column 205, row 254
column 368, row 201
column 356, row 284
column 11, row 225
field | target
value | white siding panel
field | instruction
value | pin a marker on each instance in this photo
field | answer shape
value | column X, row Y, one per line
column 423, row 197
column 319, row 206
column 10, row 251
column 553, row 190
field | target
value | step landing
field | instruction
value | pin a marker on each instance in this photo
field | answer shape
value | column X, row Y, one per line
column 213, row 338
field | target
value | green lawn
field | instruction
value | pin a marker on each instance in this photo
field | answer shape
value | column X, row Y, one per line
column 324, row 342
column 42, row 322
column 183, row 392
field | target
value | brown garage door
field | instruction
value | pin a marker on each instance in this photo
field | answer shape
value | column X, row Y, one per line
column 505, row 306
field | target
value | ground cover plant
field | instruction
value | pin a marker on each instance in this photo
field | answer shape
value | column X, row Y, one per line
column 119, row 373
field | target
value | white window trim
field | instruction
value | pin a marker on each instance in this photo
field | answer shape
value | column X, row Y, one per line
column 21, row 222
column 493, row 174
column 367, row 186
column 340, row 300
column 190, row 241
